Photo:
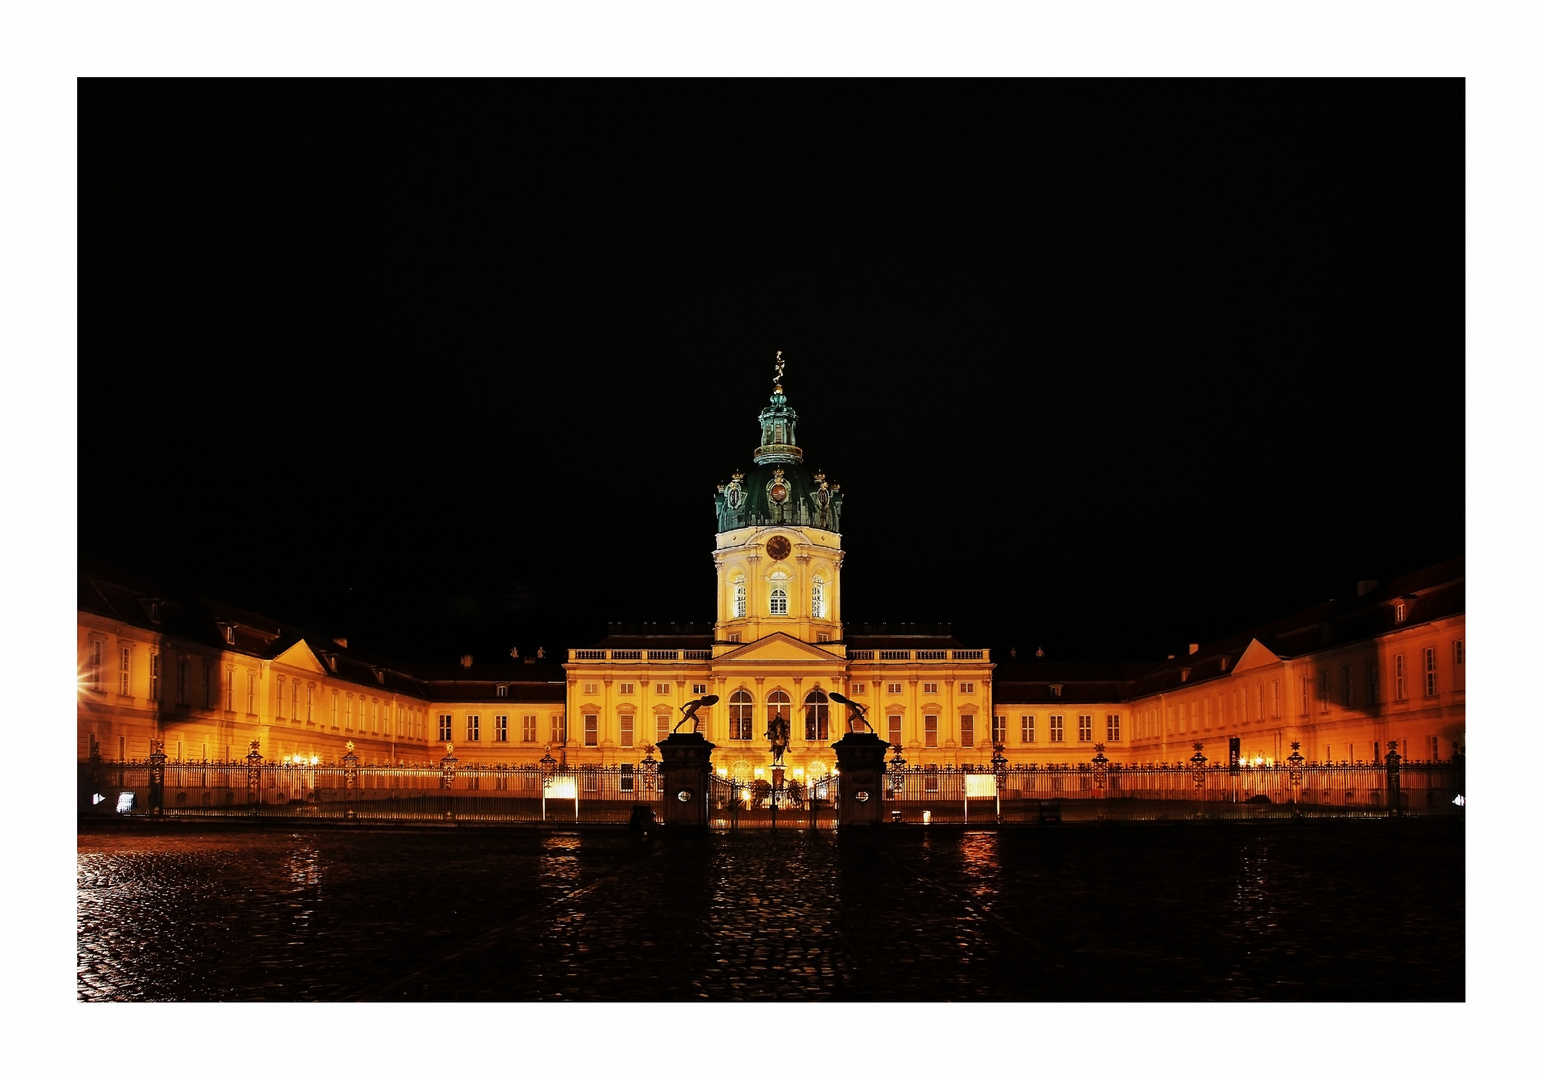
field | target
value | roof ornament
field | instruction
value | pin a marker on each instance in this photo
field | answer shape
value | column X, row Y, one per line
column 777, row 379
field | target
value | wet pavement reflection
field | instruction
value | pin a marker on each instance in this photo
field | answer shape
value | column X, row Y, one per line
column 1156, row 912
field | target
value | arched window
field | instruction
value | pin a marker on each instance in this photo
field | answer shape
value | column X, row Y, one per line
column 816, row 716
column 817, row 598
column 741, row 716
column 739, row 597
column 779, row 601
column 777, row 705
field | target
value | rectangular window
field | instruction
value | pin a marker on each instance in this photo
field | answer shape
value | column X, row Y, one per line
column 1085, row 727
column 626, row 777
column 559, row 728
column 892, row 688
column 590, row 688
column 528, row 728
column 123, row 672
column 932, row 730
column 1430, row 672
column 929, row 688
column 627, row 688
column 1323, row 690
column 1373, row 682
column 1112, row 727
column 1275, row 699
column 661, row 689
column 500, row 729
column 1435, row 748
column 1026, row 728
column 698, row 689
column 591, row 729
column 294, row 703
column 310, row 692
column 444, row 723
column 894, row 730
column 998, row 730
column 182, row 680
column 155, row 677
column 967, row 729
column 251, row 693
column 473, row 728
column 967, row 688
column 1348, row 675
column 626, row 729
column 334, row 708
column 94, row 665
column 1399, row 611
column 1304, row 695
column 661, row 727
column 123, row 748
column 1057, row 728
column 1398, row 678
column 1457, row 652
column 862, row 688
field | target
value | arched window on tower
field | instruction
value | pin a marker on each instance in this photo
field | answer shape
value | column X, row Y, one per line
column 779, row 600
column 739, row 597
column 817, row 598
column 741, row 716
column 816, row 716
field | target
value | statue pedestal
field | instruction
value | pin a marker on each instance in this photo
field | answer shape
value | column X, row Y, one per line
column 860, row 757
column 684, row 775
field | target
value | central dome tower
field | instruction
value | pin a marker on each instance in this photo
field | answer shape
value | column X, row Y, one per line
column 778, row 553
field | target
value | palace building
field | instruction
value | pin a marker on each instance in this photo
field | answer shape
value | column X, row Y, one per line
column 1346, row 680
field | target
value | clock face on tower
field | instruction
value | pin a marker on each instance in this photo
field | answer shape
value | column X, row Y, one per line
column 778, row 547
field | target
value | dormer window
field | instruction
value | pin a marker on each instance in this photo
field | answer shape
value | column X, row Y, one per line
column 502, row 690
column 155, row 612
column 332, row 663
column 228, row 632
column 1399, row 611
column 1055, row 689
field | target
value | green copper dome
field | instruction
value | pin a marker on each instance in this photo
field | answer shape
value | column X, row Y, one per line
column 779, row 489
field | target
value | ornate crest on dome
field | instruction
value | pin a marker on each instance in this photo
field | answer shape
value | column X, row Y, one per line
column 777, row 488
column 821, row 496
column 733, row 494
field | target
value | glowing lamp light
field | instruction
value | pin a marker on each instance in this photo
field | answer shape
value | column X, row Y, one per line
column 722, row 771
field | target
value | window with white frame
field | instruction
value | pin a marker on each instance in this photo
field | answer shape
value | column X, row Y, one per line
column 967, row 688
column 661, row 689
column 1085, row 727
column 998, row 730
column 628, row 688
column 741, row 716
column 1057, row 728
column 528, row 727
column 778, row 704
column 779, row 600
column 591, row 729
column 123, row 671
column 155, row 679
column 1323, row 690
column 1112, row 727
column 1304, row 695
column 473, row 727
column 559, row 728
column 739, row 597
column 501, row 728
column 626, row 729
column 310, row 693
column 817, row 598
column 859, row 688
column 816, row 716
column 966, row 729
column 334, row 708
column 698, row 688
column 930, row 728
column 501, row 690
column 1430, row 672
column 94, row 665
column 1399, row 611
column 444, row 723
column 1026, row 728
column 892, row 688
column 1398, row 678
column 661, row 726
column 929, row 688
column 591, row 688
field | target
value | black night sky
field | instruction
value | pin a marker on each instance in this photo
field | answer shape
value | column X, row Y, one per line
column 1102, row 367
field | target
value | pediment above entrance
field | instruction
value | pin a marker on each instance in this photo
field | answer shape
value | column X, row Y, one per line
column 776, row 648
column 1256, row 655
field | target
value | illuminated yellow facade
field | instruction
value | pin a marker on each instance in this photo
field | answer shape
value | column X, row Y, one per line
column 1345, row 681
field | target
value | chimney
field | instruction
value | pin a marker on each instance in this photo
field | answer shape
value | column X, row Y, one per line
column 1364, row 587
column 340, row 642
column 466, row 660
column 1193, row 648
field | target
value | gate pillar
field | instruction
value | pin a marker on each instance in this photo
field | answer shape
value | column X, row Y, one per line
column 684, row 775
column 860, row 757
